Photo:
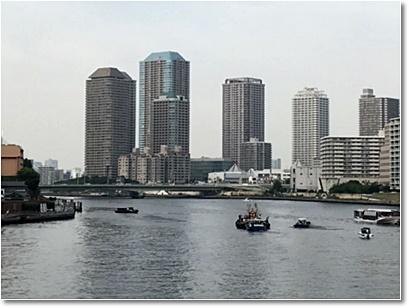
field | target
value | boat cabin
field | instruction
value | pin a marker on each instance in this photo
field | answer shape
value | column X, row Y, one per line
column 374, row 214
column 365, row 230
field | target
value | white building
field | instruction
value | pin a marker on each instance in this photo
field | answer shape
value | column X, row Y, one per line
column 390, row 155
column 304, row 178
column 76, row 173
column 310, row 122
column 233, row 175
column 355, row 157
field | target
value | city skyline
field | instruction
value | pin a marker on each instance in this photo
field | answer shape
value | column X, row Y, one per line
column 30, row 44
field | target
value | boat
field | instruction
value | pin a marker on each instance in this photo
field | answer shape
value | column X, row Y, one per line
column 252, row 221
column 302, row 223
column 377, row 216
column 126, row 210
column 254, row 225
column 365, row 233
column 15, row 211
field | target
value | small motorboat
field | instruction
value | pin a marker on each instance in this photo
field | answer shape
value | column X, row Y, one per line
column 126, row 210
column 365, row 233
column 302, row 223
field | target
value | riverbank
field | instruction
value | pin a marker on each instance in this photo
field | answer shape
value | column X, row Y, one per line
column 254, row 197
column 307, row 199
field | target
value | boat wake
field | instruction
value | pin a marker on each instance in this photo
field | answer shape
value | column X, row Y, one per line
column 161, row 218
column 319, row 228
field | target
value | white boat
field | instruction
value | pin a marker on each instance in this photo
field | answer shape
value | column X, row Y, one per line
column 377, row 216
column 365, row 234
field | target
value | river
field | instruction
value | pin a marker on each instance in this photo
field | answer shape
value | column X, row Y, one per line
column 190, row 248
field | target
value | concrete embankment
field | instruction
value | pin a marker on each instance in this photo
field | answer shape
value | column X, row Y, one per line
column 304, row 199
column 25, row 211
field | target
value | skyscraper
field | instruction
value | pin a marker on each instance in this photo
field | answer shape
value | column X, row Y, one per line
column 310, row 116
column 170, row 124
column 375, row 112
column 161, row 74
column 243, row 114
column 109, row 120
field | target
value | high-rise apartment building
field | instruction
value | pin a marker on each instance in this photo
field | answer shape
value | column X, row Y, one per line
column 350, row 157
column 375, row 112
column 390, row 155
column 161, row 74
column 109, row 120
column 170, row 124
column 310, row 117
column 255, row 154
column 243, row 114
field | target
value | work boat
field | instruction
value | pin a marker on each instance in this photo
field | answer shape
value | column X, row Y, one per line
column 126, row 210
column 252, row 221
column 377, row 216
column 365, row 233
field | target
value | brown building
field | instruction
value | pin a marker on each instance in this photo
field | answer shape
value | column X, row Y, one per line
column 243, row 114
column 12, row 157
column 109, row 120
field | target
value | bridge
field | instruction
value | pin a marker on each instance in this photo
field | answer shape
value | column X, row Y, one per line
column 208, row 189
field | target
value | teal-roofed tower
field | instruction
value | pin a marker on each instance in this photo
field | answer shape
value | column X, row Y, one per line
column 164, row 73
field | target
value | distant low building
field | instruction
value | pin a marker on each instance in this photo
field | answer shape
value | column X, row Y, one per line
column 234, row 175
column 168, row 166
column 350, row 157
column 201, row 167
column 36, row 165
column 255, row 154
column 47, row 175
column 51, row 163
column 304, row 178
column 76, row 173
column 276, row 163
column 390, row 155
column 12, row 157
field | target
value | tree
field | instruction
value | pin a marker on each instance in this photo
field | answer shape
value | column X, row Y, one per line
column 27, row 163
column 31, row 179
column 276, row 188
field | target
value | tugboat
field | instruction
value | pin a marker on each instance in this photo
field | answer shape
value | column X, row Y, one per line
column 302, row 223
column 124, row 210
column 252, row 220
column 365, row 233
column 254, row 225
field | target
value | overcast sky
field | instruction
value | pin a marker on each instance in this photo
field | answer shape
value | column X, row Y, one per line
column 50, row 49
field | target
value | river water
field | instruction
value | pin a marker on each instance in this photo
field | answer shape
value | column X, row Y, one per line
column 190, row 248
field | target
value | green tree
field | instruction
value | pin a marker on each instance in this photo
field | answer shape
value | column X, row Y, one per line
column 31, row 179
column 276, row 188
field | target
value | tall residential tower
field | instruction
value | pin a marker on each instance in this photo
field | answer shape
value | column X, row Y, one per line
column 161, row 74
column 109, row 120
column 310, row 123
column 243, row 114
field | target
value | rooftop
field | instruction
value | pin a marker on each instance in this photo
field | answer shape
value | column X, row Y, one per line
column 164, row 56
column 104, row 72
column 243, row 80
